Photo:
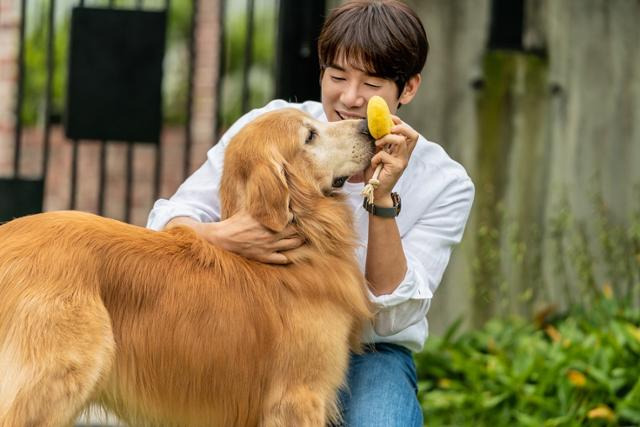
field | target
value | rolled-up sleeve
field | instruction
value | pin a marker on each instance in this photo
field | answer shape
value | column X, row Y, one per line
column 427, row 245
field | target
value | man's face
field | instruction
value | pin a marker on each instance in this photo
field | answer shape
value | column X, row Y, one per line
column 346, row 91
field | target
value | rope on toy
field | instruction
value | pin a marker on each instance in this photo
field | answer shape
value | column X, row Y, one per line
column 373, row 183
column 380, row 123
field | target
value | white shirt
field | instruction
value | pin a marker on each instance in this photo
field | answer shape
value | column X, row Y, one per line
column 436, row 197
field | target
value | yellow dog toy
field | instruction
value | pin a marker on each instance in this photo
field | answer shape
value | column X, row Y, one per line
column 379, row 123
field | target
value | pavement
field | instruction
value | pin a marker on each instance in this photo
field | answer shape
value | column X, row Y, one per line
column 97, row 417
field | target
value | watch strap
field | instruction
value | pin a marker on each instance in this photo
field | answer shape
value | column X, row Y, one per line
column 384, row 212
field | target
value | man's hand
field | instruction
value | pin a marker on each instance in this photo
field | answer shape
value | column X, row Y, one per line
column 394, row 150
column 243, row 235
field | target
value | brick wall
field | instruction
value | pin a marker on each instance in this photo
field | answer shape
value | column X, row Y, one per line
column 205, row 79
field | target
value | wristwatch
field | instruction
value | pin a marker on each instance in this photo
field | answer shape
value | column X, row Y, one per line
column 391, row 212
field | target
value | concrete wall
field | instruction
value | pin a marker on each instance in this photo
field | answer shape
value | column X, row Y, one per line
column 551, row 143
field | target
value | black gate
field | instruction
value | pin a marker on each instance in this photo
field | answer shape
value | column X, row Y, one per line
column 115, row 106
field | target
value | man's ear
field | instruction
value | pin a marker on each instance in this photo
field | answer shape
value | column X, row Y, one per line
column 410, row 89
column 267, row 195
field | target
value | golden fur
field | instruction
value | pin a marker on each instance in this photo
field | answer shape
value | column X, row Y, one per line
column 165, row 329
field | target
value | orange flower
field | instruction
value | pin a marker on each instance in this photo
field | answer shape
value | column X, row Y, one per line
column 444, row 383
column 603, row 412
column 577, row 378
column 553, row 333
column 491, row 345
column 607, row 290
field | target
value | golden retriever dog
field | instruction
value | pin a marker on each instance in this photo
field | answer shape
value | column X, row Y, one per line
column 165, row 329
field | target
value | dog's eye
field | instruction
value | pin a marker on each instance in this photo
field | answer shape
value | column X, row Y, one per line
column 312, row 134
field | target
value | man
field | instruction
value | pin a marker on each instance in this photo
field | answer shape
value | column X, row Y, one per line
column 365, row 48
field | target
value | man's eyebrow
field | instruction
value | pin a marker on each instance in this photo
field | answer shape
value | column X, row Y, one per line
column 336, row 66
column 341, row 68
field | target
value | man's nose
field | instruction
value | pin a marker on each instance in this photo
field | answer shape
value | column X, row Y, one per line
column 351, row 97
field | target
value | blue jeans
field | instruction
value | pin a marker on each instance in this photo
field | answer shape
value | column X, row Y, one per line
column 381, row 389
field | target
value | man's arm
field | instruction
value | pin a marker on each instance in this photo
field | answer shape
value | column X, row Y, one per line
column 386, row 262
column 403, row 274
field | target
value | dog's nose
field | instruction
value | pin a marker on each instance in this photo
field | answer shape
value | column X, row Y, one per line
column 363, row 128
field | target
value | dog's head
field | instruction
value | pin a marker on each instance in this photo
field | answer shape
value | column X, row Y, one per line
column 284, row 148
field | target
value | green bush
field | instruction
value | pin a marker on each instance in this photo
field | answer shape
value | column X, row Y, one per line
column 578, row 368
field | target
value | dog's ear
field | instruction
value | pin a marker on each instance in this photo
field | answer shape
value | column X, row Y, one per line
column 267, row 195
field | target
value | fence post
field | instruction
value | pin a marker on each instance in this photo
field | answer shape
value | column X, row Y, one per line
column 298, row 71
column 9, row 34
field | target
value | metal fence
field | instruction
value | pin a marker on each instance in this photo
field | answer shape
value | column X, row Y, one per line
column 14, row 202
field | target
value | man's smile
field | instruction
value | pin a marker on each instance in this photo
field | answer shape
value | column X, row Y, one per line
column 348, row 116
